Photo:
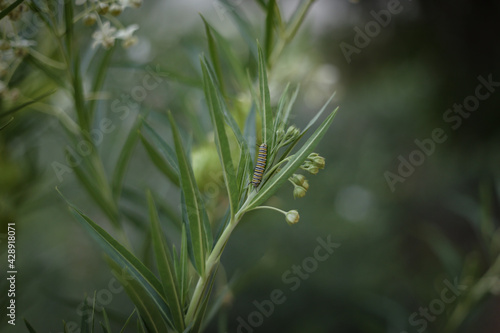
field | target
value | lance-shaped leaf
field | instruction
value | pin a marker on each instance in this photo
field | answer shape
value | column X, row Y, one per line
column 149, row 312
column 165, row 266
column 308, row 126
column 160, row 162
column 221, row 141
column 150, row 287
column 163, row 146
column 269, row 31
column 182, row 268
column 122, row 162
column 214, row 56
column 127, row 321
column 199, row 228
column 272, row 185
column 265, row 102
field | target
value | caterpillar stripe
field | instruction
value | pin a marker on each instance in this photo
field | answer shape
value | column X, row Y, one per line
column 261, row 165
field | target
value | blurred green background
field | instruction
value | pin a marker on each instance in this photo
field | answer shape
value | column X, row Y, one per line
column 398, row 248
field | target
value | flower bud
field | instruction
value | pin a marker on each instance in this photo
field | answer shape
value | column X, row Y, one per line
column 280, row 133
column 317, row 160
column 291, row 133
column 89, row 19
column 310, row 168
column 299, row 192
column 102, row 8
column 136, row 3
column 292, row 217
column 115, row 9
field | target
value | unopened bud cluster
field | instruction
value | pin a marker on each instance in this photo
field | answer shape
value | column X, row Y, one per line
column 300, row 185
column 285, row 138
column 313, row 163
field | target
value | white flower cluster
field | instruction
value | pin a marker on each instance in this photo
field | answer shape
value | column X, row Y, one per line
column 107, row 34
column 13, row 48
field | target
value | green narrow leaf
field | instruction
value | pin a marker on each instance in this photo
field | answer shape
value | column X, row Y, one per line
column 100, row 76
column 163, row 146
column 297, row 18
column 228, row 117
column 55, row 76
column 269, row 30
column 122, row 162
column 221, row 141
column 244, row 169
column 265, row 103
column 140, row 326
column 250, row 130
column 196, row 214
column 93, row 313
column 84, row 325
column 272, row 185
column 290, row 104
column 159, row 161
column 128, row 263
column 184, row 268
column 22, row 106
column 224, row 8
column 148, row 310
column 105, row 326
column 68, row 20
column 10, row 8
column 278, row 121
column 109, row 208
column 316, row 117
column 127, row 321
column 214, row 56
column 308, row 126
column 200, row 315
column 28, row 326
column 236, row 67
column 165, row 267
column 82, row 114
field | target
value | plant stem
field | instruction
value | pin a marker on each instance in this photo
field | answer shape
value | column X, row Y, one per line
column 211, row 262
column 290, row 32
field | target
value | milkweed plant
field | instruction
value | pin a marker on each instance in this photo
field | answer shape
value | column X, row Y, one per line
column 175, row 299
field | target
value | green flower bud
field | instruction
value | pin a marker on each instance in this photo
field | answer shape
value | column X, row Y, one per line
column 292, row 133
column 292, row 217
column 310, row 168
column 317, row 160
column 297, row 179
column 299, row 192
column 280, row 133
column 300, row 184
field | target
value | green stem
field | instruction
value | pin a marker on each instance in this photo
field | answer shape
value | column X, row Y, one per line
column 210, row 264
column 269, row 207
column 290, row 32
column 213, row 260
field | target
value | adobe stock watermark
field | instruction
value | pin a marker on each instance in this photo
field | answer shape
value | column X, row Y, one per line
column 123, row 107
column 363, row 37
column 454, row 117
column 449, row 294
column 293, row 279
